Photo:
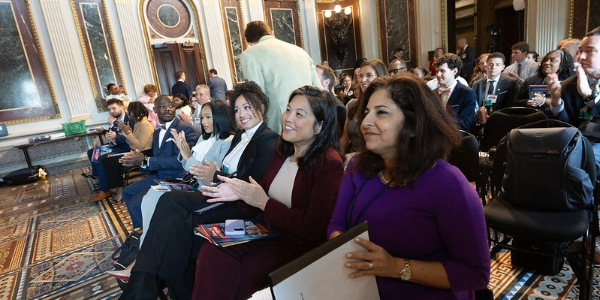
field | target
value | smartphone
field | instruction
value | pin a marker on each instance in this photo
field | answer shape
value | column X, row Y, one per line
column 234, row 227
column 220, row 173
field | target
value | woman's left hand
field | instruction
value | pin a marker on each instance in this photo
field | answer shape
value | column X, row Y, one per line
column 376, row 262
column 232, row 189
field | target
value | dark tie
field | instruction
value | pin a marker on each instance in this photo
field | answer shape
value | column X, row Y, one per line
column 519, row 70
column 491, row 86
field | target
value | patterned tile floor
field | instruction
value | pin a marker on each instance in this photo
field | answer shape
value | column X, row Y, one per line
column 54, row 243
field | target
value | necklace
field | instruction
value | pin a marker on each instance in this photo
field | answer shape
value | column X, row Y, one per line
column 382, row 178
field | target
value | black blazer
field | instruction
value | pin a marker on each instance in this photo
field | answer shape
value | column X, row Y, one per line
column 506, row 89
column 468, row 62
column 257, row 155
column 573, row 102
column 181, row 87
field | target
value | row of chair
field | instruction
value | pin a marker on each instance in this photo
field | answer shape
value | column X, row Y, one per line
column 507, row 221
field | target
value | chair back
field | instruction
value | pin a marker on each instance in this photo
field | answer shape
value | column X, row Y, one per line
column 503, row 121
column 466, row 156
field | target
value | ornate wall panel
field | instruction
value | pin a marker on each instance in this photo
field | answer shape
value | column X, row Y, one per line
column 339, row 35
column 284, row 18
column 234, row 24
column 98, row 46
column 169, row 19
column 25, row 89
column 397, row 19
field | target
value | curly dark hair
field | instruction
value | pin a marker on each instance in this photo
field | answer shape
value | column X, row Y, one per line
column 324, row 109
column 451, row 59
column 428, row 133
column 565, row 69
column 137, row 111
column 253, row 94
column 185, row 100
column 222, row 120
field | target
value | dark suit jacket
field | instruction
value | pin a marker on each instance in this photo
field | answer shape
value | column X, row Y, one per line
column 120, row 141
column 523, row 94
column 463, row 101
column 181, row 87
column 506, row 89
column 257, row 155
column 573, row 102
column 468, row 62
column 218, row 87
column 164, row 158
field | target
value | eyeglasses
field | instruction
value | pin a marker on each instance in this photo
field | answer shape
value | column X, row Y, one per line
column 396, row 71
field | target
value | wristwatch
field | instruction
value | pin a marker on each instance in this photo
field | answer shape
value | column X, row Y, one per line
column 144, row 163
column 406, row 273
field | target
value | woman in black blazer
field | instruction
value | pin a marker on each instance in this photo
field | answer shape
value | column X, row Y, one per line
column 170, row 248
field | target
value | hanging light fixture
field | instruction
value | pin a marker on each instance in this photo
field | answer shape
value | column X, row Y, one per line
column 327, row 14
column 348, row 10
column 337, row 8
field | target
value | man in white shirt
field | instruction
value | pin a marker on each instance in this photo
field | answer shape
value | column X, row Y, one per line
column 522, row 68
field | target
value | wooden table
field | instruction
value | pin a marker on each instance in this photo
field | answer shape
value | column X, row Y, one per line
column 25, row 147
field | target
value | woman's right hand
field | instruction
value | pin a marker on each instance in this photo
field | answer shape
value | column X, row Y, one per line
column 181, row 143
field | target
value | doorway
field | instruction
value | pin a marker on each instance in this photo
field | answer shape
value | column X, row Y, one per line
column 170, row 58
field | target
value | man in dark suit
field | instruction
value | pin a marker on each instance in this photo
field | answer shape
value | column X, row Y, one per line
column 180, row 87
column 460, row 98
column 163, row 163
column 495, row 91
column 467, row 56
column 217, row 86
column 577, row 99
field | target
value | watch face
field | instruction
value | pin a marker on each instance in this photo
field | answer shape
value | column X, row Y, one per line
column 405, row 275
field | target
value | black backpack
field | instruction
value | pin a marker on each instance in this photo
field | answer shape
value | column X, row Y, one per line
column 546, row 168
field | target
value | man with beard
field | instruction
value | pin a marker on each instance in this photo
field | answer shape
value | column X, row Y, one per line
column 163, row 163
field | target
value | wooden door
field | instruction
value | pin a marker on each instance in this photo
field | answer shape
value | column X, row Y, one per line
column 170, row 58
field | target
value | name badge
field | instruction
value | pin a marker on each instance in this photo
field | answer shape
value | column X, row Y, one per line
column 490, row 100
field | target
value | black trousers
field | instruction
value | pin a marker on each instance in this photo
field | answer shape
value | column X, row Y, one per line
column 170, row 247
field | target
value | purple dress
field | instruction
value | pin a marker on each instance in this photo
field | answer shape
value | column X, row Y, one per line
column 439, row 219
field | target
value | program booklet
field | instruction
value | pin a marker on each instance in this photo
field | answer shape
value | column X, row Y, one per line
column 167, row 186
column 255, row 230
column 538, row 89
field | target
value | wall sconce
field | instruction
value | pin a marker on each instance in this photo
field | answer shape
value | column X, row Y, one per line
column 338, row 27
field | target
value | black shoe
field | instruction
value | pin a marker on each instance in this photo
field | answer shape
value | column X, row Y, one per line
column 140, row 286
column 88, row 176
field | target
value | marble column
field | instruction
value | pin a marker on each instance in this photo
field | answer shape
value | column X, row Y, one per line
column 214, row 39
column 369, row 29
column 256, row 11
column 429, row 29
column 310, row 29
column 135, row 45
column 65, row 46
column 546, row 24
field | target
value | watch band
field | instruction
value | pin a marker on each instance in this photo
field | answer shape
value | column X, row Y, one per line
column 406, row 273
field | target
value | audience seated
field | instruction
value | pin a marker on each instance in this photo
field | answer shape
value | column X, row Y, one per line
column 397, row 67
column 297, row 197
column 458, row 98
column 555, row 62
column 200, row 96
column 182, row 107
column 522, row 68
column 436, row 53
column 346, row 91
column 420, row 72
column 147, row 99
column 139, row 139
column 424, row 243
column 351, row 141
column 170, row 247
column 495, row 91
column 479, row 71
column 115, row 137
column 327, row 78
column 163, row 163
